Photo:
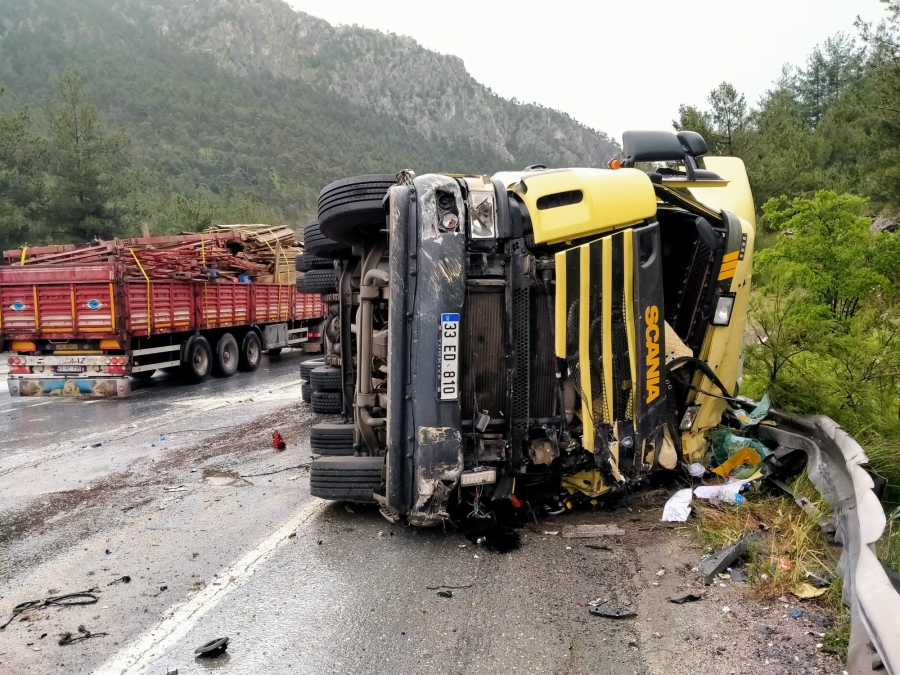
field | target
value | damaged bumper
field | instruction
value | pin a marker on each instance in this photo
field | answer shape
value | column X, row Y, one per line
column 835, row 466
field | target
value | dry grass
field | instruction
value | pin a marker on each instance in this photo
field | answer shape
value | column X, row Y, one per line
column 792, row 546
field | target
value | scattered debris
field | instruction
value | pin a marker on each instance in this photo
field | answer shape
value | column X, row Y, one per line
column 678, row 508
column 739, row 576
column 551, row 533
column 689, row 597
column 611, row 612
column 347, row 507
column 726, row 610
column 212, row 648
column 598, row 601
column 727, row 493
column 278, row 441
column 69, row 600
column 598, row 547
column 67, row 638
column 819, row 579
column 124, row 580
column 455, row 588
column 96, row 445
column 445, row 594
column 180, row 488
column 696, row 470
column 589, row 531
column 796, row 613
column 723, row 558
column 805, row 591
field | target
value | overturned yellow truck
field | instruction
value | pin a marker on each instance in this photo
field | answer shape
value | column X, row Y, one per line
column 527, row 340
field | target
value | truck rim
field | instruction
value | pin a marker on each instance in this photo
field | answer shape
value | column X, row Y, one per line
column 201, row 360
column 253, row 352
column 230, row 356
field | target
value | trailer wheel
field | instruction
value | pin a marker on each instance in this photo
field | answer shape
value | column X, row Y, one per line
column 351, row 208
column 318, row 281
column 251, row 352
column 326, row 378
column 227, row 356
column 346, row 478
column 327, row 402
column 196, row 364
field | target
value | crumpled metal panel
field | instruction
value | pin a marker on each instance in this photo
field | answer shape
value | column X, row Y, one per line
column 835, row 466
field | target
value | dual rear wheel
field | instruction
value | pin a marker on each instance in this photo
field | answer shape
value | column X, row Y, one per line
column 199, row 360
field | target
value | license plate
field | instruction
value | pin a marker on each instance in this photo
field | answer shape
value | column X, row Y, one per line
column 449, row 361
column 72, row 360
column 68, row 369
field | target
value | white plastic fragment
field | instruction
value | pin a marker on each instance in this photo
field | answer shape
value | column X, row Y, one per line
column 678, row 508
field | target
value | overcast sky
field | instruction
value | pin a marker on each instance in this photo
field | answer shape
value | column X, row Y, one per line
column 612, row 64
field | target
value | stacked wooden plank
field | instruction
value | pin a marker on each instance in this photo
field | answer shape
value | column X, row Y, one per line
column 261, row 252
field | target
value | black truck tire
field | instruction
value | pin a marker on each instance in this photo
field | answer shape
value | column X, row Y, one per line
column 318, row 281
column 307, row 261
column 227, row 357
column 346, row 478
column 351, row 208
column 197, row 360
column 330, row 438
column 310, row 365
column 306, row 392
column 327, row 402
column 316, row 243
column 251, row 352
column 326, row 378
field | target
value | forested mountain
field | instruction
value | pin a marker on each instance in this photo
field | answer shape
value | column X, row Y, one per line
column 248, row 97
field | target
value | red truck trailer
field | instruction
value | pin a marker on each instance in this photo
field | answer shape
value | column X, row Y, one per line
column 85, row 329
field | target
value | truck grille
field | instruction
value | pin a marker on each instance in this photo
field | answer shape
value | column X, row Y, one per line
column 483, row 364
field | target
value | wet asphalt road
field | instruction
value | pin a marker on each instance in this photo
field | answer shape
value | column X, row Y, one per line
column 219, row 536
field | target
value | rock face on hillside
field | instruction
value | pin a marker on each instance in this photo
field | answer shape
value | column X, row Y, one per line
column 432, row 93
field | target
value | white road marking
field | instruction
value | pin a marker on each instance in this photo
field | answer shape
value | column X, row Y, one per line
column 181, row 619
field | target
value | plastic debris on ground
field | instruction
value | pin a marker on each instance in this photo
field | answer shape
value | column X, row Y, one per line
column 278, row 441
column 757, row 415
column 212, row 648
column 805, row 591
column 696, row 470
column 796, row 613
column 610, row 612
column 723, row 445
column 690, row 597
column 678, row 508
column 727, row 492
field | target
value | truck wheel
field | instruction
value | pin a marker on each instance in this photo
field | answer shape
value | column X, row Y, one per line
column 143, row 375
column 306, row 392
column 351, row 208
column 327, row 402
column 227, row 356
column 330, row 439
column 307, row 261
column 326, row 378
column 251, row 352
column 316, row 243
column 346, row 478
column 308, row 366
column 317, row 281
column 196, row 365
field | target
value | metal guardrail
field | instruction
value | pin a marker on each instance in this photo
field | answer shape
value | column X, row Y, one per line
column 835, row 466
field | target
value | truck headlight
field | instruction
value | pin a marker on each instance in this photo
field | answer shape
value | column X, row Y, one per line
column 482, row 214
column 722, row 314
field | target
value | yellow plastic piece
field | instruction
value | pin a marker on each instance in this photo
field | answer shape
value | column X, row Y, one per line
column 609, row 199
column 736, row 196
column 743, row 456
